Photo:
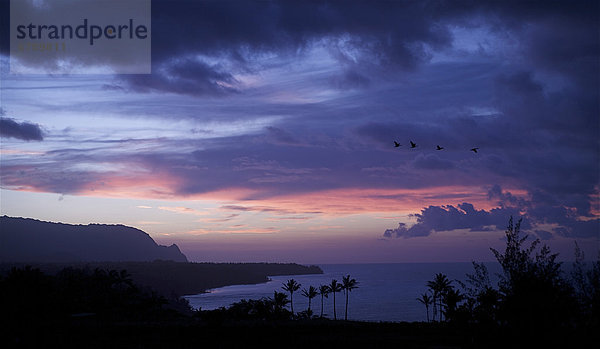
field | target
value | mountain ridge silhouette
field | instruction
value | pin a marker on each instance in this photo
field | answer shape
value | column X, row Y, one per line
column 32, row 240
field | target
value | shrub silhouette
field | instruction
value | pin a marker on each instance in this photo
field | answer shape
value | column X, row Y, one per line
column 534, row 294
column 29, row 294
column 263, row 309
column 533, row 303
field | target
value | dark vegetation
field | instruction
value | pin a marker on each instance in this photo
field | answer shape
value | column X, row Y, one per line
column 533, row 305
column 273, row 309
column 179, row 279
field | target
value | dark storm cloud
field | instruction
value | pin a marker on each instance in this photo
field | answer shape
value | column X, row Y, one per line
column 4, row 25
column 533, row 109
column 20, row 130
column 359, row 33
column 184, row 76
column 243, row 28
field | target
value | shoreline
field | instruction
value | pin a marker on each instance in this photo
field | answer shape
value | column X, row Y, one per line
column 182, row 278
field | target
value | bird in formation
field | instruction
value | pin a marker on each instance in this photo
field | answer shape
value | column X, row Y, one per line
column 414, row 145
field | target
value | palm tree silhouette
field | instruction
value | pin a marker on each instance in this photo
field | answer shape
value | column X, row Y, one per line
column 291, row 286
column 334, row 288
column 310, row 294
column 426, row 300
column 348, row 285
column 439, row 286
column 451, row 299
column 324, row 292
column 279, row 301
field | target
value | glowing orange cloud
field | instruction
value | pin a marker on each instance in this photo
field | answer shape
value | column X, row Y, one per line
column 356, row 201
column 185, row 210
column 233, row 230
column 334, row 202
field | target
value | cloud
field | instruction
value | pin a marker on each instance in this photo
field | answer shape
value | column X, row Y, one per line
column 256, row 209
column 449, row 217
column 280, row 136
column 219, row 220
column 20, row 130
column 183, row 76
column 465, row 216
column 311, row 96
column 431, row 162
column 350, row 79
column 543, row 234
column 184, row 210
column 356, row 33
column 368, row 40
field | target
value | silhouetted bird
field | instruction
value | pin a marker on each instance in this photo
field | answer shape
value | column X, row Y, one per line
column 412, row 145
column 474, row 150
column 396, row 144
column 439, row 148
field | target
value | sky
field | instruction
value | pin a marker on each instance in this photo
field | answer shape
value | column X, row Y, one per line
column 266, row 131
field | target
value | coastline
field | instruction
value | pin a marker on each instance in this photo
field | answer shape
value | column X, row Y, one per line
column 182, row 278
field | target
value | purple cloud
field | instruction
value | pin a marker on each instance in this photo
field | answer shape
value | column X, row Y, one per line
column 465, row 216
column 526, row 94
column 25, row 131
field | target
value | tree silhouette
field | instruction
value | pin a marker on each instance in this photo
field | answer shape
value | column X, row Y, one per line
column 324, row 292
column 450, row 299
column 440, row 285
column 334, row 287
column 534, row 305
column 534, row 293
column 482, row 297
column 291, row 286
column 587, row 286
column 310, row 294
column 426, row 300
column 279, row 300
column 348, row 285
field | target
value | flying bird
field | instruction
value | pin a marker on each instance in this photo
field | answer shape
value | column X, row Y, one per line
column 474, row 150
column 439, row 148
column 396, row 144
column 412, row 145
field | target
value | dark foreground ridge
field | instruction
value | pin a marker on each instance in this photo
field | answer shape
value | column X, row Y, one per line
column 179, row 279
column 178, row 334
column 29, row 240
column 84, row 308
column 535, row 305
column 81, row 308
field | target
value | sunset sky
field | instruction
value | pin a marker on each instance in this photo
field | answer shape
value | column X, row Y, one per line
column 266, row 131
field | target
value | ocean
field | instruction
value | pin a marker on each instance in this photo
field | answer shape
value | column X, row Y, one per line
column 386, row 292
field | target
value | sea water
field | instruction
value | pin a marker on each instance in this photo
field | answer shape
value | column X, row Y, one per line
column 386, row 292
